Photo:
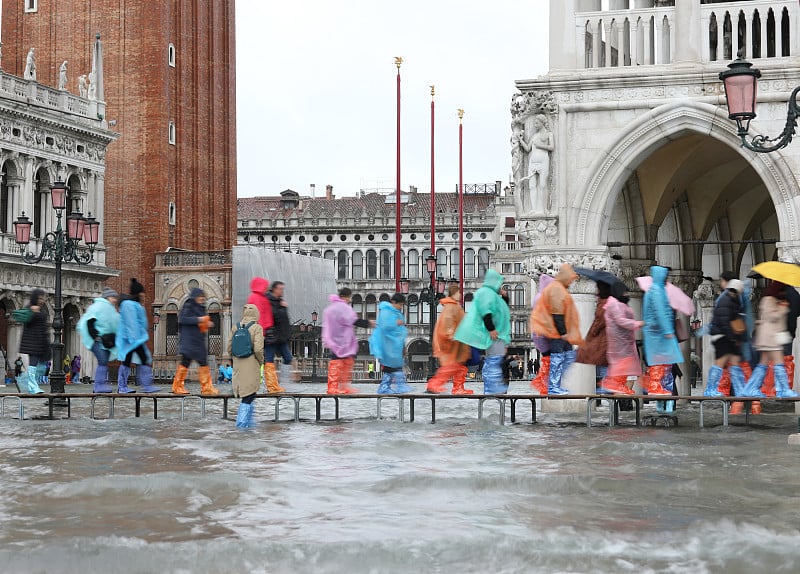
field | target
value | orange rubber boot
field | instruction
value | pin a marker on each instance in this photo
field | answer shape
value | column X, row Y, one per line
column 206, row 382
column 178, row 387
column 271, row 379
column 657, row 374
column 539, row 382
column 459, row 380
column 616, row 385
column 724, row 386
column 438, row 382
column 736, row 408
column 334, row 372
column 788, row 362
column 768, row 386
column 346, row 377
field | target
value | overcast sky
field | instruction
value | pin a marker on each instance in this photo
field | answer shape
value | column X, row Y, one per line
column 316, row 89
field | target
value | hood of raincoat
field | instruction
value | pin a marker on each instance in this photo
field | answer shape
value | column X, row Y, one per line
column 259, row 285
column 566, row 275
column 659, row 274
column 250, row 314
column 660, row 344
column 258, row 297
column 493, row 280
column 338, row 332
column 388, row 340
column 106, row 321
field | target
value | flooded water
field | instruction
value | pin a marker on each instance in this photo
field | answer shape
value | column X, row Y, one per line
column 142, row 496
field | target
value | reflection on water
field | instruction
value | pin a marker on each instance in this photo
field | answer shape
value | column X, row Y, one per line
column 134, row 496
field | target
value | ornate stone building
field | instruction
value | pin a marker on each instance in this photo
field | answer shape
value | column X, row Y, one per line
column 623, row 154
column 48, row 135
column 358, row 233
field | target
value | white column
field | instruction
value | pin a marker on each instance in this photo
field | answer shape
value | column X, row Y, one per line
column 763, row 33
column 748, row 30
column 647, row 54
column 622, row 47
column 563, row 54
column 100, row 203
column 673, row 38
column 607, row 28
column 580, row 46
column 658, row 42
column 687, row 31
column 26, row 199
column 597, row 42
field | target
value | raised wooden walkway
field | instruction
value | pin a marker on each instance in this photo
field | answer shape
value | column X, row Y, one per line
column 55, row 401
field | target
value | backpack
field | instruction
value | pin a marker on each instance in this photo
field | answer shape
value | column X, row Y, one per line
column 242, row 343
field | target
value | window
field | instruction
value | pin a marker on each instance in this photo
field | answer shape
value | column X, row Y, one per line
column 215, row 332
column 518, row 296
column 173, row 214
column 329, row 254
column 469, row 264
column 520, row 327
column 358, row 305
column 454, row 269
column 510, row 222
column 31, row 5
column 441, row 263
column 505, row 268
column 384, row 297
column 372, row 307
column 386, row 264
column 342, row 265
column 518, row 268
column 171, row 312
column 171, row 55
column 358, row 265
column 372, row 264
column 172, row 135
column 425, row 313
column 413, row 264
column 413, row 310
column 483, row 262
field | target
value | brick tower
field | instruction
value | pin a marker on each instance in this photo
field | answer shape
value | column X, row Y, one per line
column 170, row 88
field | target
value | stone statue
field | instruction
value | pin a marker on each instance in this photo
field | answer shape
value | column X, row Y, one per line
column 62, row 76
column 30, row 66
column 82, row 86
column 538, row 148
column 92, row 85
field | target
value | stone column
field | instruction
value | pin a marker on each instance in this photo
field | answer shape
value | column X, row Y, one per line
column 704, row 297
column 688, row 282
column 15, row 185
column 688, row 32
column 563, row 55
column 26, row 199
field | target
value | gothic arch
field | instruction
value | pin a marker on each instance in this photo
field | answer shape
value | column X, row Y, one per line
column 654, row 129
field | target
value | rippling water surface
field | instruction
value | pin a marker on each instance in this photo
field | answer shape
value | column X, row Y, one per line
column 137, row 495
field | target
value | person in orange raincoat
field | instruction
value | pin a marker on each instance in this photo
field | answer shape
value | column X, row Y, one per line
column 556, row 317
column 452, row 354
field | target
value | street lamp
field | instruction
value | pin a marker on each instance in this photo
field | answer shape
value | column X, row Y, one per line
column 317, row 343
column 430, row 295
column 741, row 90
column 59, row 246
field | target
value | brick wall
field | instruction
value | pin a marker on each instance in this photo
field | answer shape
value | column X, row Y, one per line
column 143, row 93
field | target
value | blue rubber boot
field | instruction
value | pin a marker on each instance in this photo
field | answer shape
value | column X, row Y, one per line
column 557, row 361
column 666, row 407
column 144, row 376
column 738, row 384
column 712, row 384
column 753, row 386
column 33, row 381
column 493, row 383
column 782, row 389
column 244, row 418
column 122, row 380
column 398, row 379
column 385, row 388
column 101, row 380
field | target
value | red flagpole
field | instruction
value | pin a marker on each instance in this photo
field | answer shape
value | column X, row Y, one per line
column 433, row 182
column 461, row 203
column 398, row 262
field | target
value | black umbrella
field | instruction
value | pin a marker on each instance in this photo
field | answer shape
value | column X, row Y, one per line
column 600, row 276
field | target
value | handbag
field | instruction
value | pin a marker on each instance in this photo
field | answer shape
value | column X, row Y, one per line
column 22, row 316
column 738, row 326
column 681, row 332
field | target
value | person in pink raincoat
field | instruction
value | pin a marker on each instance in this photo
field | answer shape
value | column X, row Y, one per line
column 339, row 321
column 621, row 327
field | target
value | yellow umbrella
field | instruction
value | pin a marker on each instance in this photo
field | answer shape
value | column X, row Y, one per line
column 786, row 273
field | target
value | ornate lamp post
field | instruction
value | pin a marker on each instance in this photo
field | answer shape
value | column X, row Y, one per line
column 430, row 295
column 741, row 89
column 60, row 246
column 317, row 343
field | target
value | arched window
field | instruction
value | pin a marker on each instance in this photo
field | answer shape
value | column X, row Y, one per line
column 372, row 264
column 372, row 307
column 454, row 270
column 358, row 305
column 343, row 265
column 215, row 332
column 785, row 34
column 423, row 262
column 386, row 264
column 727, row 37
column 713, row 37
column 413, row 310
column 358, row 265
column 756, row 34
column 518, row 296
column 384, row 297
column 441, row 263
column 483, row 262
column 413, row 264
column 469, row 264
column 329, row 254
column 771, row 34
column 171, row 313
column 425, row 312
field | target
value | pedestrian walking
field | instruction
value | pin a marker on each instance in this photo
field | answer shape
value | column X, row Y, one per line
column 35, row 341
column 339, row 321
column 193, row 324
column 541, row 379
column 75, row 369
column 661, row 347
column 487, row 327
column 451, row 354
column 19, row 367
column 594, row 351
column 556, row 318
column 246, row 346
column 621, row 351
column 259, row 287
column 225, row 372
column 98, row 330
column 132, row 338
column 278, row 342
column 772, row 335
column 727, row 334
column 387, row 344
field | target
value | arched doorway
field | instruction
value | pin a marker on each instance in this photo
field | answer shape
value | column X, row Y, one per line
column 419, row 352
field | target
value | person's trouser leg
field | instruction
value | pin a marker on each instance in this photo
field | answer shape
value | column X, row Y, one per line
column 101, row 373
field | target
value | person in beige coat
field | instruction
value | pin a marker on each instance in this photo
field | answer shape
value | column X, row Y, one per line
column 247, row 370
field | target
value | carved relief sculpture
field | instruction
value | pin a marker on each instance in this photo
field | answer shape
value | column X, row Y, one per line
column 30, row 66
column 92, row 85
column 62, row 76
column 538, row 148
column 82, row 91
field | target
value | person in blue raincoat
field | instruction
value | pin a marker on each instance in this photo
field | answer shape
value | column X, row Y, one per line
column 132, row 338
column 387, row 343
column 661, row 346
column 98, row 330
column 487, row 327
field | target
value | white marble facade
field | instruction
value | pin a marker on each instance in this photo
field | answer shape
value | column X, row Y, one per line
column 643, row 150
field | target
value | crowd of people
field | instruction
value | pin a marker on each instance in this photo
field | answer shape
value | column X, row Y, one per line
column 115, row 327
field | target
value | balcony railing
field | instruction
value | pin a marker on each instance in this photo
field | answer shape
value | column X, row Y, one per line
column 193, row 258
column 16, row 88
